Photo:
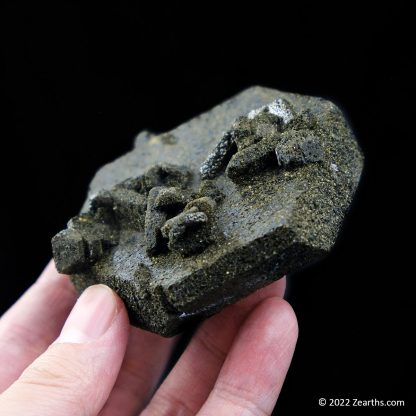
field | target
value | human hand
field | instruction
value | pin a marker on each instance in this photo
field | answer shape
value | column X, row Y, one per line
column 92, row 362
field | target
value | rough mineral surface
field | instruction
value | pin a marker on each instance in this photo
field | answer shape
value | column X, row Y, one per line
column 199, row 217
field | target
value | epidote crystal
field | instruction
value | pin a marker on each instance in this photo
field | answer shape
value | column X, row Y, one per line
column 199, row 217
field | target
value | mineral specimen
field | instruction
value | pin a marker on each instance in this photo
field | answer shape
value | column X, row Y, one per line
column 199, row 217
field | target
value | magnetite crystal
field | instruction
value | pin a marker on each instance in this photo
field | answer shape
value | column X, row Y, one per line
column 194, row 219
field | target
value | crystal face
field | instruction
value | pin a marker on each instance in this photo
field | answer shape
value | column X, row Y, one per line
column 196, row 218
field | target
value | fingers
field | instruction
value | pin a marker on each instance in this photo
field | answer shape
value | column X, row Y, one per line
column 77, row 373
column 191, row 380
column 27, row 329
column 146, row 358
column 253, row 373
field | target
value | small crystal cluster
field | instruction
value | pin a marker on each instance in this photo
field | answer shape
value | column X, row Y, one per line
column 160, row 203
column 272, row 135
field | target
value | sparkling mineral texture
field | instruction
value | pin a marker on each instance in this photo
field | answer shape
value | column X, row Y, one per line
column 197, row 218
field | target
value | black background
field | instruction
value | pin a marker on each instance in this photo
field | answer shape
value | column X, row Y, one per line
column 78, row 83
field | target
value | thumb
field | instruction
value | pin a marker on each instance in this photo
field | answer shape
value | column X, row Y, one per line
column 77, row 372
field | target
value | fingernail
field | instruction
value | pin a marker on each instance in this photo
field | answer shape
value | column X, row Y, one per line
column 91, row 316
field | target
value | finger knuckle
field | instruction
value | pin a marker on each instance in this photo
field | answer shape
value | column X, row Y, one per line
column 56, row 368
column 58, row 376
column 238, row 398
column 166, row 404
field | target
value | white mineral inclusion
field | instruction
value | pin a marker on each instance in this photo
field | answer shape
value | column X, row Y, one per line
column 215, row 159
column 277, row 108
